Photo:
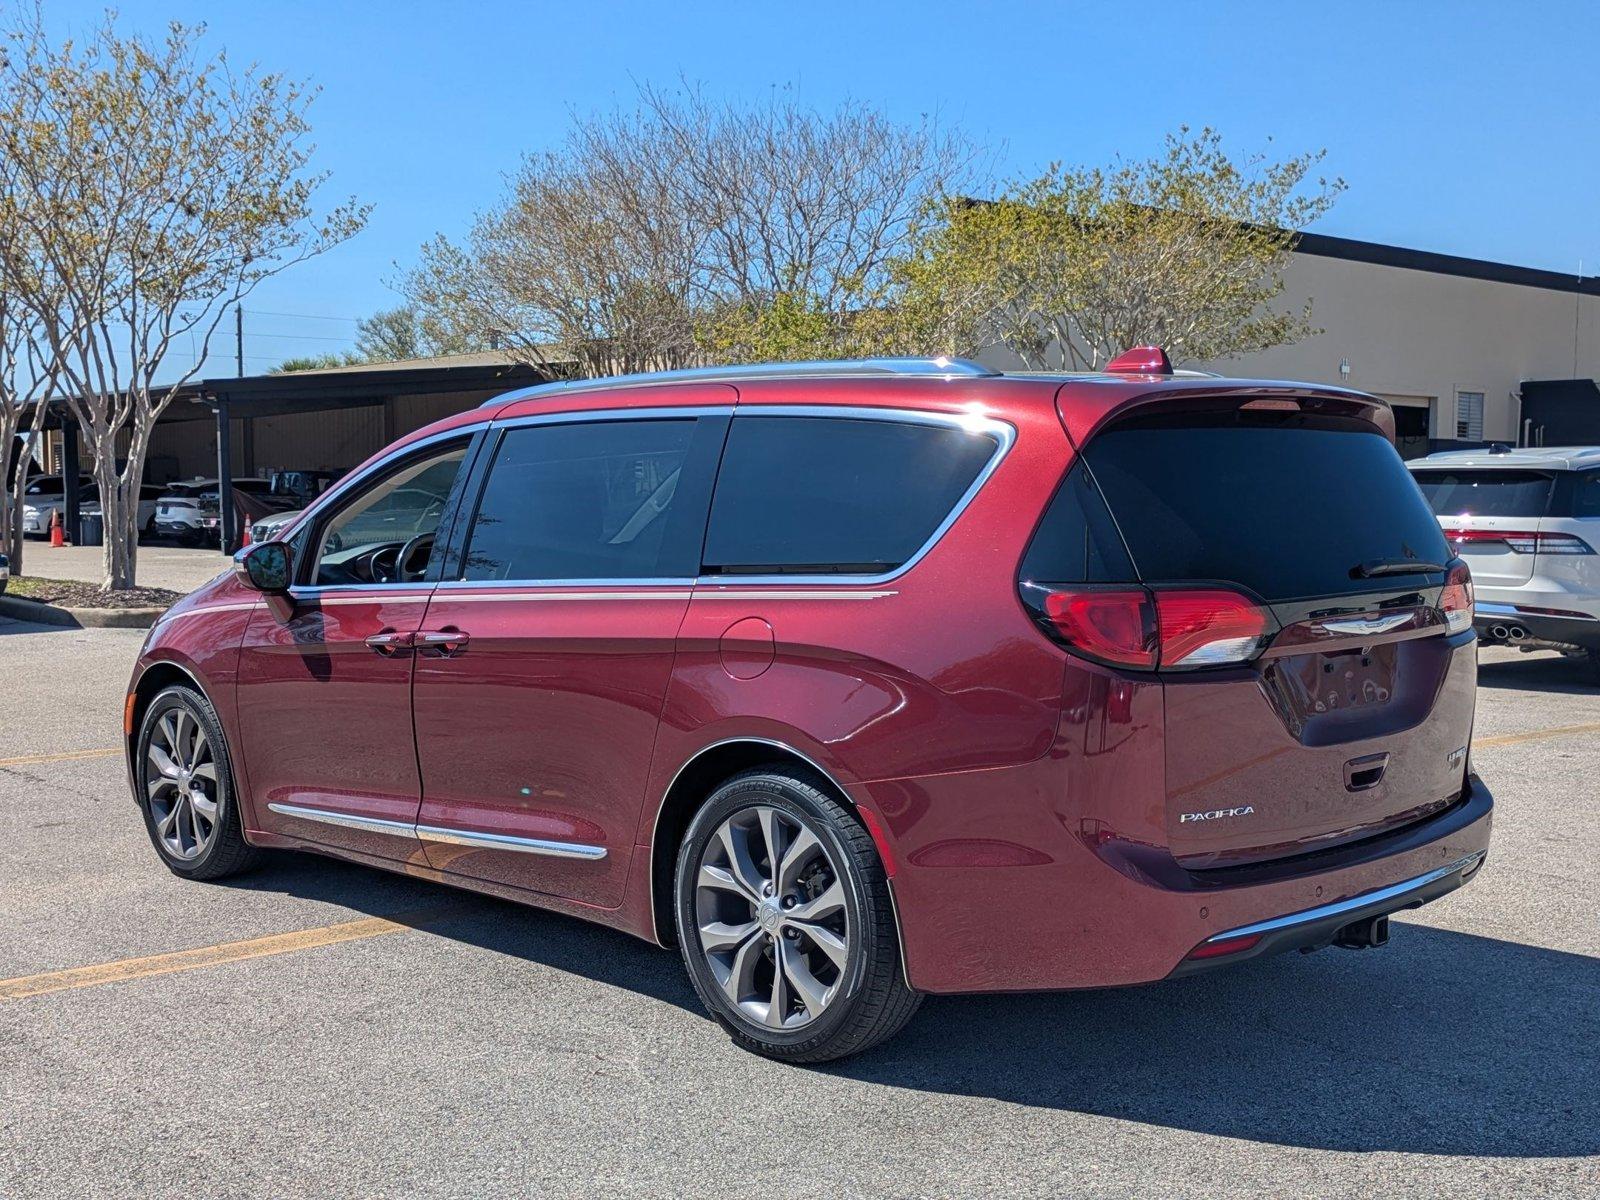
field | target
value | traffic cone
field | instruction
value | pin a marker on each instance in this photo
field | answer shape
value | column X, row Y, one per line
column 244, row 539
column 58, row 536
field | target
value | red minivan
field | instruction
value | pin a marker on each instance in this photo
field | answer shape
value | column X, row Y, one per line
column 854, row 681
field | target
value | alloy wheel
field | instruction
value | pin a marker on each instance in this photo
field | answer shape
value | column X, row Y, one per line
column 181, row 783
column 772, row 919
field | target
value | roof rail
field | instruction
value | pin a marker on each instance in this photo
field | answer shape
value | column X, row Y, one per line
column 938, row 368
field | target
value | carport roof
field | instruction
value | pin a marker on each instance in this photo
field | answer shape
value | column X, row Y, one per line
column 345, row 387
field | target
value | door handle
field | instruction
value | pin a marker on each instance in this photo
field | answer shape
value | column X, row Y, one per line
column 444, row 642
column 390, row 643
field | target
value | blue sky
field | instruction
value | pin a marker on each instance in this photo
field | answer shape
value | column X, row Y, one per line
column 1466, row 128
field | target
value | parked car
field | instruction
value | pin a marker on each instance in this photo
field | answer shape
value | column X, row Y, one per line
column 268, row 528
column 1528, row 522
column 43, row 497
column 149, row 495
column 189, row 511
column 855, row 681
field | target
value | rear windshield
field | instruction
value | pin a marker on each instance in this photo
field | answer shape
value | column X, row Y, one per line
column 1287, row 509
column 1493, row 493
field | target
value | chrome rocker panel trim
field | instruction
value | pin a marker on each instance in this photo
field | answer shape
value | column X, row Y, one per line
column 435, row 833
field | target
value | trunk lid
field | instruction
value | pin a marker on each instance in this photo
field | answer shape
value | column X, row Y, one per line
column 1480, row 507
column 1355, row 716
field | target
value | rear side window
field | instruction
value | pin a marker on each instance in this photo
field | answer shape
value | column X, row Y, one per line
column 1285, row 509
column 595, row 500
column 836, row 495
column 1586, row 494
column 1077, row 542
column 1494, row 493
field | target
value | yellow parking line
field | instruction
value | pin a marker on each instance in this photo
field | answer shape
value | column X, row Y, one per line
column 1511, row 739
column 62, row 756
column 212, row 956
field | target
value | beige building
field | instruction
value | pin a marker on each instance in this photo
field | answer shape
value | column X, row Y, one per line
column 1452, row 343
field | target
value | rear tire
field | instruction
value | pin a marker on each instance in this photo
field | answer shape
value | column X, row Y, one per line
column 821, row 915
column 186, row 790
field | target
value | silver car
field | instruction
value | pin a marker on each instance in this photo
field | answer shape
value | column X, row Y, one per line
column 1527, row 521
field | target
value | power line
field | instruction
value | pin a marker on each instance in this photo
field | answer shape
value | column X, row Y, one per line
column 261, row 312
column 302, row 337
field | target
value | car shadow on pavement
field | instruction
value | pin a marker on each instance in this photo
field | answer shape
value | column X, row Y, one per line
column 1442, row 1043
column 1539, row 673
column 535, row 935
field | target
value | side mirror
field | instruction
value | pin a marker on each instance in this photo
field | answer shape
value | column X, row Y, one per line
column 264, row 566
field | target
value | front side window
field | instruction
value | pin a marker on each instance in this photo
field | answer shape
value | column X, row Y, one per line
column 836, row 495
column 384, row 533
column 621, row 499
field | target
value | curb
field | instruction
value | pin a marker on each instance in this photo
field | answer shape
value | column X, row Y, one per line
column 20, row 609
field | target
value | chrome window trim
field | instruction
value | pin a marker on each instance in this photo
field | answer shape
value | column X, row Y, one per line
column 1003, row 433
column 581, row 416
column 439, row 833
column 1322, row 912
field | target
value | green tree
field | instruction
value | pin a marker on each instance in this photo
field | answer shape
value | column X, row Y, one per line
column 403, row 332
column 317, row 362
column 1184, row 250
column 149, row 188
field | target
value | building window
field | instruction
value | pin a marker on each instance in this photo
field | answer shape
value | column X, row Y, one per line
column 1469, row 416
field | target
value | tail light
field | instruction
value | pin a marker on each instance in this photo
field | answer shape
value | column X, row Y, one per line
column 1456, row 599
column 1177, row 628
column 1523, row 541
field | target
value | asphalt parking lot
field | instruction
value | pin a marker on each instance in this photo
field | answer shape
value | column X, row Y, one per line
column 338, row 1031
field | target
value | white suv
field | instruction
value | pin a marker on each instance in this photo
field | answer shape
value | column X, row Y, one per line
column 1527, row 521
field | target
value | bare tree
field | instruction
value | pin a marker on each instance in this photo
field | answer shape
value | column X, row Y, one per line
column 156, row 188
column 682, row 229
column 25, row 380
column 1185, row 250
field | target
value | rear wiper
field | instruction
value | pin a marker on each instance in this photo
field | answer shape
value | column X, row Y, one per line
column 1376, row 567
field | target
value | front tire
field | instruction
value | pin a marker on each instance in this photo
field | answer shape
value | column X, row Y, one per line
column 186, row 788
column 785, row 922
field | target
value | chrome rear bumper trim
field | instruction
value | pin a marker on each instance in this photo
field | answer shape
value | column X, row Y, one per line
column 1379, row 896
column 435, row 833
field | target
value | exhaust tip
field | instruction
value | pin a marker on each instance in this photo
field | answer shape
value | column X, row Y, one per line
column 1498, row 632
column 1363, row 935
column 1518, row 633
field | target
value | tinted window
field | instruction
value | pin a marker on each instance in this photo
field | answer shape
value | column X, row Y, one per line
column 361, row 540
column 827, row 494
column 1494, row 493
column 1286, row 509
column 601, row 500
column 1586, row 494
column 1077, row 542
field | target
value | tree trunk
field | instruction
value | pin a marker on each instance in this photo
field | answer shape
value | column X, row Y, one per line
column 11, row 497
column 117, row 517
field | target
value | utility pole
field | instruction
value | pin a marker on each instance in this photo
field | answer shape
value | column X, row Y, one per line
column 238, row 338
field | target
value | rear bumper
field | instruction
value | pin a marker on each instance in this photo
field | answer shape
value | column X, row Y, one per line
column 1317, row 927
column 1051, row 903
column 1505, row 624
